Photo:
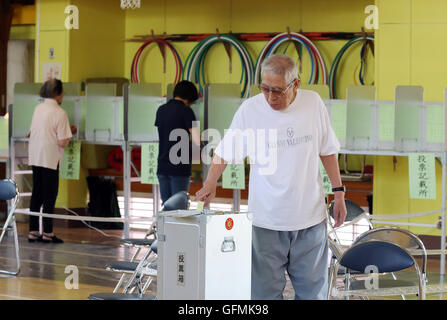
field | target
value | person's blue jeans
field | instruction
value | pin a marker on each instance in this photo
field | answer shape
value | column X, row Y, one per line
column 170, row 185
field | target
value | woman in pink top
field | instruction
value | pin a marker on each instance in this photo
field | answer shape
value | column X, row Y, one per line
column 50, row 133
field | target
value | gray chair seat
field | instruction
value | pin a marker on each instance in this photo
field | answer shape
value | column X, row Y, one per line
column 120, row 296
column 154, row 247
column 138, row 242
column 122, row 266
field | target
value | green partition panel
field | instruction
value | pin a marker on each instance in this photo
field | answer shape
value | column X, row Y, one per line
column 199, row 111
column 321, row 89
column 101, row 112
column 26, row 98
column 385, row 124
column 144, row 100
column 198, row 107
column 72, row 89
column 434, row 127
column 409, row 102
column 72, row 103
column 338, row 119
column 386, row 120
column 101, row 89
column 170, row 91
column 361, row 118
column 223, row 100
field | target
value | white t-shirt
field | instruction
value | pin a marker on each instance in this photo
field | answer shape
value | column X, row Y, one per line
column 285, row 191
column 49, row 125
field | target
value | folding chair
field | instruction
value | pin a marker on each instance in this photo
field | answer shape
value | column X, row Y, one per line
column 355, row 213
column 386, row 257
column 128, row 267
column 179, row 201
column 147, row 265
column 405, row 239
column 9, row 192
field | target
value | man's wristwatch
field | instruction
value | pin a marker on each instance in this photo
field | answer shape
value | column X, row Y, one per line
column 342, row 188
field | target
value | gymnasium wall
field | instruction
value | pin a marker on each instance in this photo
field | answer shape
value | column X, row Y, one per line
column 98, row 48
column 248, row 16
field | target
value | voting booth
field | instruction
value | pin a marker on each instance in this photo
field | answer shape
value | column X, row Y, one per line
column 204, row 255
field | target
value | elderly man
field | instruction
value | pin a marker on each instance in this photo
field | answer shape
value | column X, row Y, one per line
column 289, row 220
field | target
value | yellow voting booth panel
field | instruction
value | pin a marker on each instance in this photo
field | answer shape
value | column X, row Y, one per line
column 407, row 30
column 391, row 183
column 4, row 134
column 73, row 193
column 72, row 184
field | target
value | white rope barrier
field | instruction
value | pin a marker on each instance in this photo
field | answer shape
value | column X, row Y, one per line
column 80, row 218
column 384, row 219
column 405, row 215
column 356, row 220
column 430, row 252
column 410, row 224
column 380, row 218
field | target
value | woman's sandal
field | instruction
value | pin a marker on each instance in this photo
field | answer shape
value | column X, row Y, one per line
column 53, row 239
column 34, row 237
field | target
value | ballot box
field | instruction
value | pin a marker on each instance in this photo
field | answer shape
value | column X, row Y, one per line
column 204, row 255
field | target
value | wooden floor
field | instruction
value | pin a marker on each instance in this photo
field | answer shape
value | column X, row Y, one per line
column 43, row 266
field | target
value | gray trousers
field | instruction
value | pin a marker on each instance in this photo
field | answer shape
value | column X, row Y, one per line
column 303, row 254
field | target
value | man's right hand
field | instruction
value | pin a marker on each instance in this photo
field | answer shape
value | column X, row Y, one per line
column 207, row 193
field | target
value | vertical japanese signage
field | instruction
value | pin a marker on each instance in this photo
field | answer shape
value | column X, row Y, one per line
column 422, row 175
column 234, row 177
column 149, row 160
column 200, row 206
column 181, row 269
column 71, row 161
column 327, row 186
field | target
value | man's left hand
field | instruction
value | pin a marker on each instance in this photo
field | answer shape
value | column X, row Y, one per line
column 339, row 209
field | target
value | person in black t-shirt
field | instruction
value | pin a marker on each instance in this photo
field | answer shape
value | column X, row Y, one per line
column 175, row 128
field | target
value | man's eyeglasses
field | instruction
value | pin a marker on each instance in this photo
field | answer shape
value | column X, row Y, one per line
column 277, row 93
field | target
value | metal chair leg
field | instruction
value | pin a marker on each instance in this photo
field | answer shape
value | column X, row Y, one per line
column 16, row 245
column 118, row 285
column 5, row 227
column 148, row 283
column 137, row 271
column 347, row 283
column 16, row 242
column 395, row 278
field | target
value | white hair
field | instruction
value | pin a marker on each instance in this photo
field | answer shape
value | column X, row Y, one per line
column 282, row 65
